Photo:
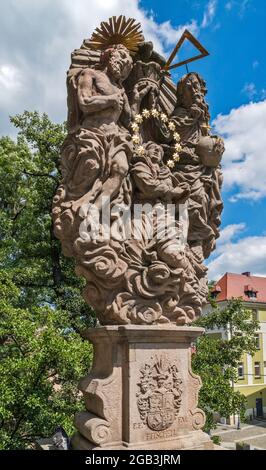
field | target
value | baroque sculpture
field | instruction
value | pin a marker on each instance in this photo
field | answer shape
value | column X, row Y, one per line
column 138, row 208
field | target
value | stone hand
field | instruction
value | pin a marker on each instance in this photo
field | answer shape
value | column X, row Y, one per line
column 118, row 101
column 141, row 89
column 219, row 146
column 153, row 95
column 195, row 112
column 181, row 193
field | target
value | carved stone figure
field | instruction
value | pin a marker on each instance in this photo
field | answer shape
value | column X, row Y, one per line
column 99, row 164
column 198, row 166
column 154, row 183
column 138, row 208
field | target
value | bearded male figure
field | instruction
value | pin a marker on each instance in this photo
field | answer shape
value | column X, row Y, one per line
column 199, row 161
column 94, row 162
column 98, row 108
column 199, row 167
column 96, row 153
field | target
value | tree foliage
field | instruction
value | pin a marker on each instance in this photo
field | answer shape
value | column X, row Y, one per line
column 42, row 354
column 216, row 359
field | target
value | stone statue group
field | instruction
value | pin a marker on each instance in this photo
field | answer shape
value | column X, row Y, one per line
column 136, row 138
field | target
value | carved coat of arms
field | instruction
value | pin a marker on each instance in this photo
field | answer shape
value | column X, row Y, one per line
column 160, row 393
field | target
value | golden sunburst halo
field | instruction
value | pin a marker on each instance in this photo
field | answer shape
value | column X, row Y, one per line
column 117, row 31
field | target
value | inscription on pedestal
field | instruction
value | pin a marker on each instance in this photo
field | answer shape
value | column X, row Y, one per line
column 139, row 425
column 161, row 434
column 160, row 392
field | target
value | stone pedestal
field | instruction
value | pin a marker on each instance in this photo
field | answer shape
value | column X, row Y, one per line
column 141, row 393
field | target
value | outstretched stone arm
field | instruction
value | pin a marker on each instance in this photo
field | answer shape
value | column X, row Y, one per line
column 150, row 188
column 149, row 185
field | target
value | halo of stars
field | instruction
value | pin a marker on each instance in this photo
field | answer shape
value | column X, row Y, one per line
column 154, row 113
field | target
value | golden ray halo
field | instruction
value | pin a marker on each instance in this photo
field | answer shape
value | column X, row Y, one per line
column 117, row 31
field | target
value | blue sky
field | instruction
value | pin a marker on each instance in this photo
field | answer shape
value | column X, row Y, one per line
column 36, row 39
column 235, row 38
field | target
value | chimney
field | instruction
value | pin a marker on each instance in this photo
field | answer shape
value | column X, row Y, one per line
column 246, row 273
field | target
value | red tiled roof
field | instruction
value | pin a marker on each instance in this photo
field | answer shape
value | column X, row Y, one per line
column 235, row 285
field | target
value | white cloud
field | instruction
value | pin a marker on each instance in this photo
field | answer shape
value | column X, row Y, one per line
column 255, row 64
column 246, row 254
column 243, row 6
column 240, row 5
column 10, row 83
column 9, row 78
column 250, row 90
column 11, row 87
column 209, row 13
column 237, row 256
column 37, row 38
column 245, row 155
column 164, row 33
column 229, row 6
column 228, row 233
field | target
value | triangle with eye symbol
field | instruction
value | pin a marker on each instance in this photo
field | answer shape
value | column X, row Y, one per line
column 189, row 37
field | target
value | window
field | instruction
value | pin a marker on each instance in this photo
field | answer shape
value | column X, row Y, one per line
column 214, row 294
column 240, row 370
column 257, row 337
column 250, row 292
column 257, row 369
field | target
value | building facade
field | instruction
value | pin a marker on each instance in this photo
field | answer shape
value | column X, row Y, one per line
column 251, row 369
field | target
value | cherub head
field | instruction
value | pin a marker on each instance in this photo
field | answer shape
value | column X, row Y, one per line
column 144, row 386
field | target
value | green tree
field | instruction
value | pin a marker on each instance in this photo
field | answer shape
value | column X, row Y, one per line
column 42, row 311
column 42, row 360
column 216, row 359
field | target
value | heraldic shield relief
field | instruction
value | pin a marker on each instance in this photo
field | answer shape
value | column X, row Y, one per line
column 160, row 392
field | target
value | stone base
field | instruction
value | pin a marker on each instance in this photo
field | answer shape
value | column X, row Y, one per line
column 196, row 441
column 141, row 392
